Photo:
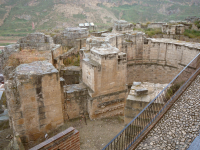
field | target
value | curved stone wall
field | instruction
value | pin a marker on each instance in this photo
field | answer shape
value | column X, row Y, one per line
column 160, row 60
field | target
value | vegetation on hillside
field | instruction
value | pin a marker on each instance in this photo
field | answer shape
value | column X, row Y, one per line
column 150, row 32
column 192, row 33
column 44, row 14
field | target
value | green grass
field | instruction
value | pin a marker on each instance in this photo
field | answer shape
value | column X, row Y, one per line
column 192, row 33
column 4, row 44
column 151, row 32
column 197, row 23
column 146, row 11
column 79, row 16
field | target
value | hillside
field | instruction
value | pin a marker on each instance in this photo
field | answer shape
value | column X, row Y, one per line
column 18, row 17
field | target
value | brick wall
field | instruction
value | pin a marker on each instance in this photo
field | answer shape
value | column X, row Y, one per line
column 66, row 140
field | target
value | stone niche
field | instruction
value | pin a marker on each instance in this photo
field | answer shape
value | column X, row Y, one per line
column 71, row 74
column 140, row 95
column 34, row 101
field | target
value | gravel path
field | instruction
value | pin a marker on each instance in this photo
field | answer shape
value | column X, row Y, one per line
column 180, row 125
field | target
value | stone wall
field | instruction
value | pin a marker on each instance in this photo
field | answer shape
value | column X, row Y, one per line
column 75, row 101
column 37, row 41
column 155, row 25
column 122, row 26
column 107, row 105
column 72, row 37
column 114, row 39
column 68, row 139
column 161, row 57
column 104, row 72
column 173, row 29
column 133, row 45
column 34, row 108
column 103, row 77
column 71, row 74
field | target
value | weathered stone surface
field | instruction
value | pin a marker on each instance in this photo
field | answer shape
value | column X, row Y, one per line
column 38, row 41
column 34, row 108
column 36, row 68
column 122, row 26
column 4, row 120
column 75, row 101
column 155, row 25
column 141, row 91
column 75, row 33
column 136, row 102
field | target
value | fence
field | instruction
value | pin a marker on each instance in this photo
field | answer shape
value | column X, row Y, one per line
column 132, row 132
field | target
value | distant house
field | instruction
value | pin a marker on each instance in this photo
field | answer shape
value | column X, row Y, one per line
column 87, row 25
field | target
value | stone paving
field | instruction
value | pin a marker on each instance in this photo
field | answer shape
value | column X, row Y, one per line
column 179, row 126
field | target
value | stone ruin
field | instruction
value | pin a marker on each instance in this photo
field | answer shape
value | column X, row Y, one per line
column 42, row 95
column 122, row 26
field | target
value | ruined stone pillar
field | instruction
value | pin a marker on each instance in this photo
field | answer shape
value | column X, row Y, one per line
column 34, row 101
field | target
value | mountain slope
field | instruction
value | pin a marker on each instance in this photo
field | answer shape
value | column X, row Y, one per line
column 18, row 17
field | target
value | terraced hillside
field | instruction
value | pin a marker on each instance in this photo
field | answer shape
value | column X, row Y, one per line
column 19, row 17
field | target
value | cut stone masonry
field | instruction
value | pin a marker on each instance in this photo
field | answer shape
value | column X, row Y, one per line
column 42, row 95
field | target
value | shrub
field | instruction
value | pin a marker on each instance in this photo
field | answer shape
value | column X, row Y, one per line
column 197, row 23
column 151, row 32
column 172, row 90
column 192, row 33
column 110, row 29
column 72, row 60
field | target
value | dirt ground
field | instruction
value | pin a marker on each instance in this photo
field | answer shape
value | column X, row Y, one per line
column 93, row 136
column 97, row 133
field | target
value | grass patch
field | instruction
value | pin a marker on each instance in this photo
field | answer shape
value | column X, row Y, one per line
column 192, row 33
column 5, row 44
column 72, row 60
column 79, row 16
column 152, row 32
column 197, row 23
column 172, row 90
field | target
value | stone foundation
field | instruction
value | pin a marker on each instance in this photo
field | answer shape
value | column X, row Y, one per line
column 107, row 105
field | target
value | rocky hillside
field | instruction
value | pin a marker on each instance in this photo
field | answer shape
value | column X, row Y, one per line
column 19, row 17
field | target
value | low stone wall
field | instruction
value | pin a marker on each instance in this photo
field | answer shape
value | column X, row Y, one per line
column 68, row 139
column 75, row 101
column 107, row 105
